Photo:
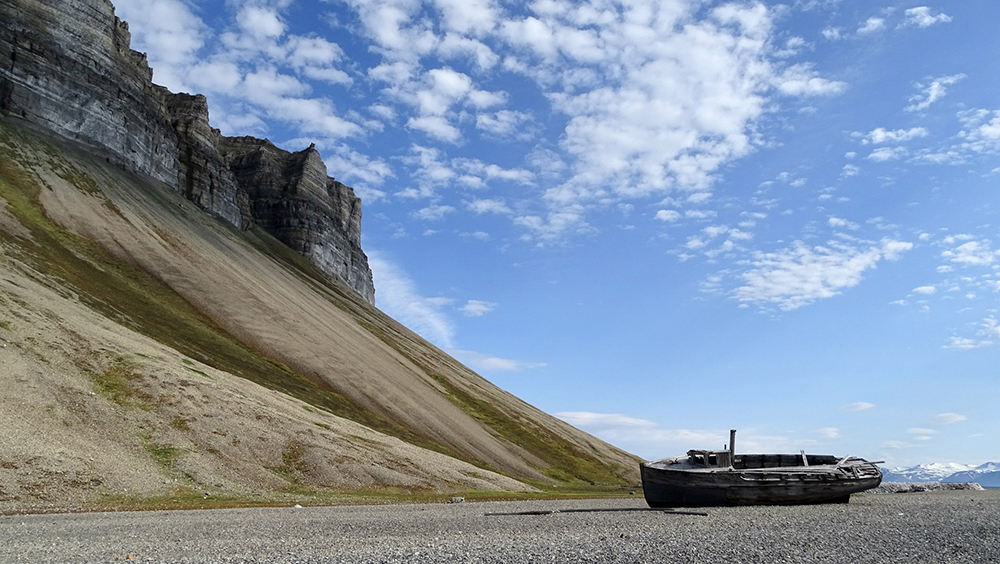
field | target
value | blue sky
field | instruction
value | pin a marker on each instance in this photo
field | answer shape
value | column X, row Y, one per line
column 656, row 219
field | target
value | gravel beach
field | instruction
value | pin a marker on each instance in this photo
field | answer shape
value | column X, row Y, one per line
column 959, row 526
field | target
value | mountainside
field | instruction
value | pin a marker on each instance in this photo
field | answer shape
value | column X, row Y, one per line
column 151, row 350
column 987, row 474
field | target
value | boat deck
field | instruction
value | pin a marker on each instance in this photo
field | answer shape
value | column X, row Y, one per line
column 779, row 465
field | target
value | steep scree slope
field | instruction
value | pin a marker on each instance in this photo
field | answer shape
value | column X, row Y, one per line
column 147, row 347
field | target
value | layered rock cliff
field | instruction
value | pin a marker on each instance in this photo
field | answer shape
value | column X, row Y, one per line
column 66, row 66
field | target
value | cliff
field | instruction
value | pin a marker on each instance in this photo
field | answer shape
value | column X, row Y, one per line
column 66, row 66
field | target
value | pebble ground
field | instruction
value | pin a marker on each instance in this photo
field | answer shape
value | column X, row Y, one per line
column 934, row 527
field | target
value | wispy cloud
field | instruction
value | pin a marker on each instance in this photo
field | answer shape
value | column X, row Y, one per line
column 654, row 100
column 829, row 432
column 881, row 135
column 668, row 216
column 871, row 25
column 481, row 362
column 860, row 406
column 921, row 433
column 932, row 92
column 922, row 16
column 486, row 205
column 972, row 253
column 883, row 154
column 477, row 308
column 648, row 439
column 966, row 344
column 399, row 297
column 800, row 275
column 896, row 445
column 982, row 131
column 948, row 418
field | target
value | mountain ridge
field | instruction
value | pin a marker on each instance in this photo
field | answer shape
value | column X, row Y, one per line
column 986, row 474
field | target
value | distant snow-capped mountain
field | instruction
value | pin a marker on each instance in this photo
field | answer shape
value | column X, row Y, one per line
column 935, row 472
column 988, row 474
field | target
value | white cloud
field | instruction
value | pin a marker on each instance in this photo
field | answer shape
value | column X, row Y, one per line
column 171, row 35
column 398, row 296
column 920, row 431
column 433, row 172
column 881, row 135
column 648, row 439
column 883, row 154
column 655, row 99
column 841, row 222
column 481, row 362
column 314, row 57
column 497, row 206
column 478, row 235
column 965, row 343
column 695, row 243
column 669, row 216
column 932, row 92
column 990, row 326
column 871, row 25
column 896, row 445
column 800, row 275
column 829, row 432
column 468, row 16
column 924, row 290
column 505, row 123
column 972, row 253
column 713, row 231
column 604, row 420
column 921, row 16
column 486, row 171
column 477, row 308
column 652, row 97
column 860, row 406
column 801, row 80
column 390, row 25
column 793, row 46
column 359, row 170
column 700, row 214
column 437, row 127
column 433, row 212
column 982, row 131
column 948, row 418
column 987, row 331
column 455, row 47
column 260, row 23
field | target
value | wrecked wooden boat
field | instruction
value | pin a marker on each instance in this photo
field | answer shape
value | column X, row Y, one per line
column 722, row 477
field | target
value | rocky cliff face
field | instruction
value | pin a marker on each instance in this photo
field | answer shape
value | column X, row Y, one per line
column 291, row 196
column 66, row 65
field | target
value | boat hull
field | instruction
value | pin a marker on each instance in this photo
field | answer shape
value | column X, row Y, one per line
column 664, row 487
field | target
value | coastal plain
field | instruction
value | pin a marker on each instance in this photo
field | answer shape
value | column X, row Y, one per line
column 943, row 526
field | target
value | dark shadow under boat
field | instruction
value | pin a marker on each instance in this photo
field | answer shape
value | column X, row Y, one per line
column 722, row 477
